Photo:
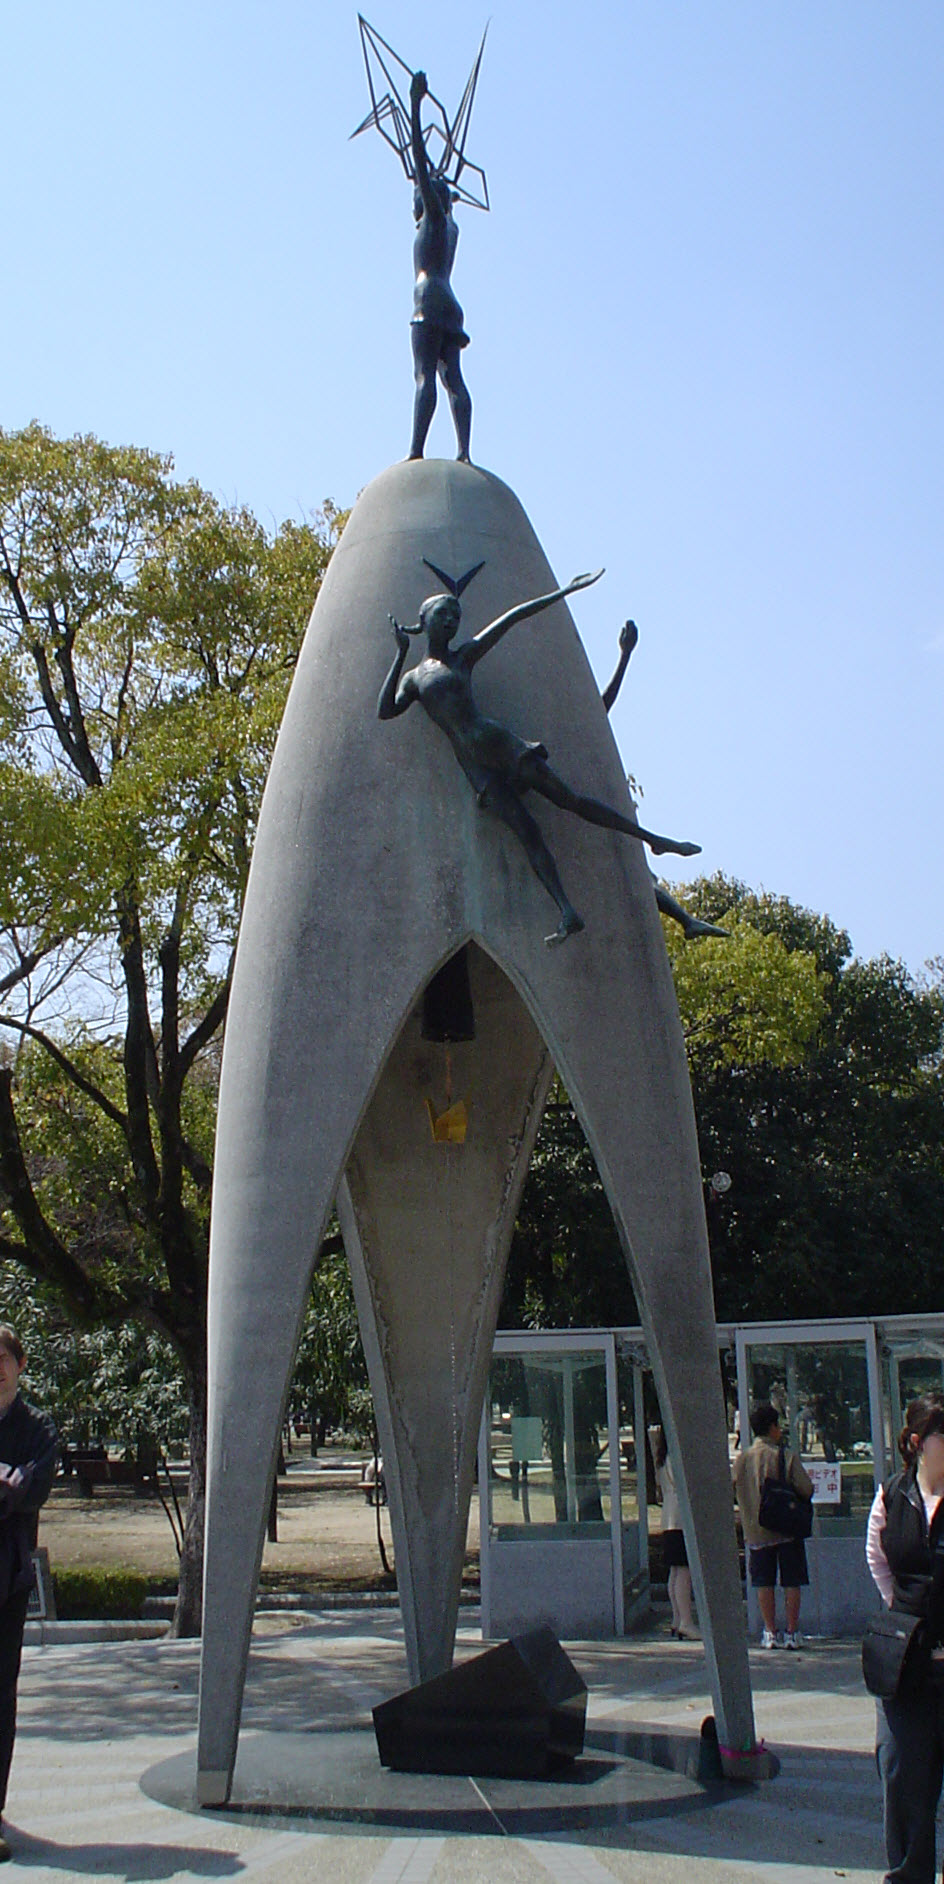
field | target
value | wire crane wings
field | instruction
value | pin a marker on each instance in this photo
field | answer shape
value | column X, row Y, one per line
column 390, row 115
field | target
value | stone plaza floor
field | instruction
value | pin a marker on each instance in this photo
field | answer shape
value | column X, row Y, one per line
column 102, row 1774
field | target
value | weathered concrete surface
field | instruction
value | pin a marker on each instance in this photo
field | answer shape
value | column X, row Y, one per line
column 427, row 1227
column 373, row 863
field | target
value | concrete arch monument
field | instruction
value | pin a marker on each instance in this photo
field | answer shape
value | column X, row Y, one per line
column 373, row 866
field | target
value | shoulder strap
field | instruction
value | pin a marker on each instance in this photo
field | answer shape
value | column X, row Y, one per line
column 783, row 1465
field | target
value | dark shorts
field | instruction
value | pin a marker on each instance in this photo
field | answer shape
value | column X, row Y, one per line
column 790, row 1557
column 673, row 1550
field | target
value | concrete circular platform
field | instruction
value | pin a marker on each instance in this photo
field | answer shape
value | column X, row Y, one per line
column 335, row 1777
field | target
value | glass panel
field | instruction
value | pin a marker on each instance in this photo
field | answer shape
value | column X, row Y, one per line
column 821, row 1390
column 548, row 1445
column 908, row 1369
column 629, row 1458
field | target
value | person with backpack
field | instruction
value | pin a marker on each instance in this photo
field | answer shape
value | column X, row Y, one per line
column 905, row 1532
column 770, row 1552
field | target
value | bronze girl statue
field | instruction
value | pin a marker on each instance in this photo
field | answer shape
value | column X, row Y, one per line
column 500, row 766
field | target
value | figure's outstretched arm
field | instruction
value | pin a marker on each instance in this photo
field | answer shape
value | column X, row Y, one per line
column 629, row 635
column 484, row 642
column 431, row 203
column 395, row 696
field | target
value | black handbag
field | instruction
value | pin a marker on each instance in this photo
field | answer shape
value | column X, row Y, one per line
column 896, row 1647
column 781, row 1508
column 895, row 1652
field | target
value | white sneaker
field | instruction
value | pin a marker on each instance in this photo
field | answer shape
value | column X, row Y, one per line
column 769, row 1640
column 792, row 1641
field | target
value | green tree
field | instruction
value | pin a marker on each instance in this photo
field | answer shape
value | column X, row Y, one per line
column 147, row 640
column 123, row 1383
column 837, row 1156
column 749, row 1000
column 329, row 1384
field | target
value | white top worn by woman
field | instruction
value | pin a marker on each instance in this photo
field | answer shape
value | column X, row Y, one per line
column 671, row 1509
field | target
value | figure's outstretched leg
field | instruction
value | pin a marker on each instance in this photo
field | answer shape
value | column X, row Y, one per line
column 425, row 341
column 503, row 802
column 537, row 774
column 692, row 926
column 450, row 372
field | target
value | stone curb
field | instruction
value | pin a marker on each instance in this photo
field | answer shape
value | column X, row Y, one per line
column 57, row 1634
column 163, row 1606
column 159, row 1611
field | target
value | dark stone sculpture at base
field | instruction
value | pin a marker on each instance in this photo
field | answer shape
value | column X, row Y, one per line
column 513, row 1713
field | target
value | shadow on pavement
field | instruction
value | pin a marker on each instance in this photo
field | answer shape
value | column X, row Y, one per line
column 132, row 1863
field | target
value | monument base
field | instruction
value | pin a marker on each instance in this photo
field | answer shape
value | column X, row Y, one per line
column 332, row 1779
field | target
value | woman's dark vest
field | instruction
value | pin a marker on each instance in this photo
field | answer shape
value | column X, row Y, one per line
column 908, row 1544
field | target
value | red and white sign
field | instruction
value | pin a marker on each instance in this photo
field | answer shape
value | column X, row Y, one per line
column 827, row 1483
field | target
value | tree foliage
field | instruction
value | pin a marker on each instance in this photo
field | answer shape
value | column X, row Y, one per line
column 818, row 1088
column 122, row 1386
column 739, row 999
column 147, row 640
column 329, row 1384
column 746, row 999
column 836, row 1158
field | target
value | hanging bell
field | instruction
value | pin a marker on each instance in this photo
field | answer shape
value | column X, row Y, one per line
column 447, row 1002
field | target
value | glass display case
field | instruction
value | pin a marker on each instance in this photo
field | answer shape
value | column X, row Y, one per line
column 565, row 1481
column 562, row 1524
column 822, row 1389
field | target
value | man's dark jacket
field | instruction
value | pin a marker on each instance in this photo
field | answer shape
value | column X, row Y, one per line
column 27, row 1463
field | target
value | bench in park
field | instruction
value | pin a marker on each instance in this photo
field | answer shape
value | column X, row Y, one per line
column 94, row 1468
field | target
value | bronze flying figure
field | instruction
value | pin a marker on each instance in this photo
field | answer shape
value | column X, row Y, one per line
column 500, row 766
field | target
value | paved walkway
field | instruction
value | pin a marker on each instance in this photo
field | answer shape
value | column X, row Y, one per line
column 96, row 1719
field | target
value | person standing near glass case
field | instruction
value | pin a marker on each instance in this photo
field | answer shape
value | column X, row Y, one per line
column 768, row 1553
column 675, row 1556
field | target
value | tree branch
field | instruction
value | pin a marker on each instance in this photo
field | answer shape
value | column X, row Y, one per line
column 138, row 1048
column 56, row 715
column 203, row 1033
column 198, row 1168
column 45, row 1254
column 88, row 763
column 27, row 963
column 123, row 690
column 68, row 1067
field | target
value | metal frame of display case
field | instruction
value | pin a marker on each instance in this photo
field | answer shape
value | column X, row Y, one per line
column 827, row 1333
column 594, row 1341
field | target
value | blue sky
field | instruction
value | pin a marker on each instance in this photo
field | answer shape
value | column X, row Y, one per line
column 706, row 315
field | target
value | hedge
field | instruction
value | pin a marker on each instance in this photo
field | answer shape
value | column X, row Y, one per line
column 100, row 1595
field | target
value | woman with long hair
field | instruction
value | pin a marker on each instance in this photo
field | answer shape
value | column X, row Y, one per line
column 905, row 1531
column 674, row 1554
